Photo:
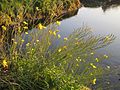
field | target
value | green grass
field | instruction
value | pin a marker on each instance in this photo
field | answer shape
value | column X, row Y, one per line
column 37, row 64
column 31, row 60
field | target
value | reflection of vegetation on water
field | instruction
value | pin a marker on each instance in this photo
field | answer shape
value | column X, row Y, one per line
column 105, row 4
column 36, row 63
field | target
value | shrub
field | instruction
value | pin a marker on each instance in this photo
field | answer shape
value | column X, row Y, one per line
column 37, row 63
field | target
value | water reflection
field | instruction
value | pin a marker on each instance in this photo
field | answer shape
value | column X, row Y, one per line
column 104, row 20
column 105, row 4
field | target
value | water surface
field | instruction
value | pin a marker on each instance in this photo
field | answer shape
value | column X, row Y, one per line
column 102, row 22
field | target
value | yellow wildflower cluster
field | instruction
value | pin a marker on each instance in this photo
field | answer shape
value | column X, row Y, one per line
column 40, row 26
column 28, row 44
column 106, row 56
column 54, row 33
column 25, row 22
column 63, row 48
column 26, row 25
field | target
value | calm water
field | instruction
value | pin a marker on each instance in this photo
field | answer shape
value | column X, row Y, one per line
column 102, row 23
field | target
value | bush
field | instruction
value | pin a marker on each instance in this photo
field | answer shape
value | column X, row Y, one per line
column 37, row 63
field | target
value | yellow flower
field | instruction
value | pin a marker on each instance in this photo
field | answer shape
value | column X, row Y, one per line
column 59, row 36
column 106, row 56
column 59, row 50
column 93, row 65
column 97, row 60
column 91, row 74
column 13, row 39
column 50, row 32
column 77, row 43
column 26, row 32
column 22, row 40
column 64, row 47
column 49, row 43
column 25, row 23
column 37, row 8
column 77, row 59
column 77, row 65
column 15, row 42
column 94, row 81
column 5, row 63
column 37, row 40
column 25, row 27
column 108, row 67
column 54, row 33
column 76, row 38
column 4, row 28
column 57, row 30
column 92, row 53
column 65, row 39
column 58, row 22
column 107, row 38
column 40, row 26
column 28, row 44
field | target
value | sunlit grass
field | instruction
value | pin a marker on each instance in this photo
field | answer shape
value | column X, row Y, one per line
column 37, row 63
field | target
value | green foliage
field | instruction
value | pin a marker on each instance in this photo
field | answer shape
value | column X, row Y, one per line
column 36, row 65
column 32, row 61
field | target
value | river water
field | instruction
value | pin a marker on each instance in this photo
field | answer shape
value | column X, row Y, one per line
column 103, row 23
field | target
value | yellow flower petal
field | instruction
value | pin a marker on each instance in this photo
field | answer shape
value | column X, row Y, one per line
column 58, row 22
column 59, row 50
column 37, row 8
column 94, row 81
column 93, row 65
column 64, row 47
column 40, row 26
column 26, row 32
column 5, row 63
column 106, row 56
column 28, row 44
column 37, row 40
column 25, row 23
column 65, row 39
column 50, row 32
column 97, row 60
column 4, row 28
column 25, row 27
column 59, row 36
column 54, row 33
column 22, row 40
